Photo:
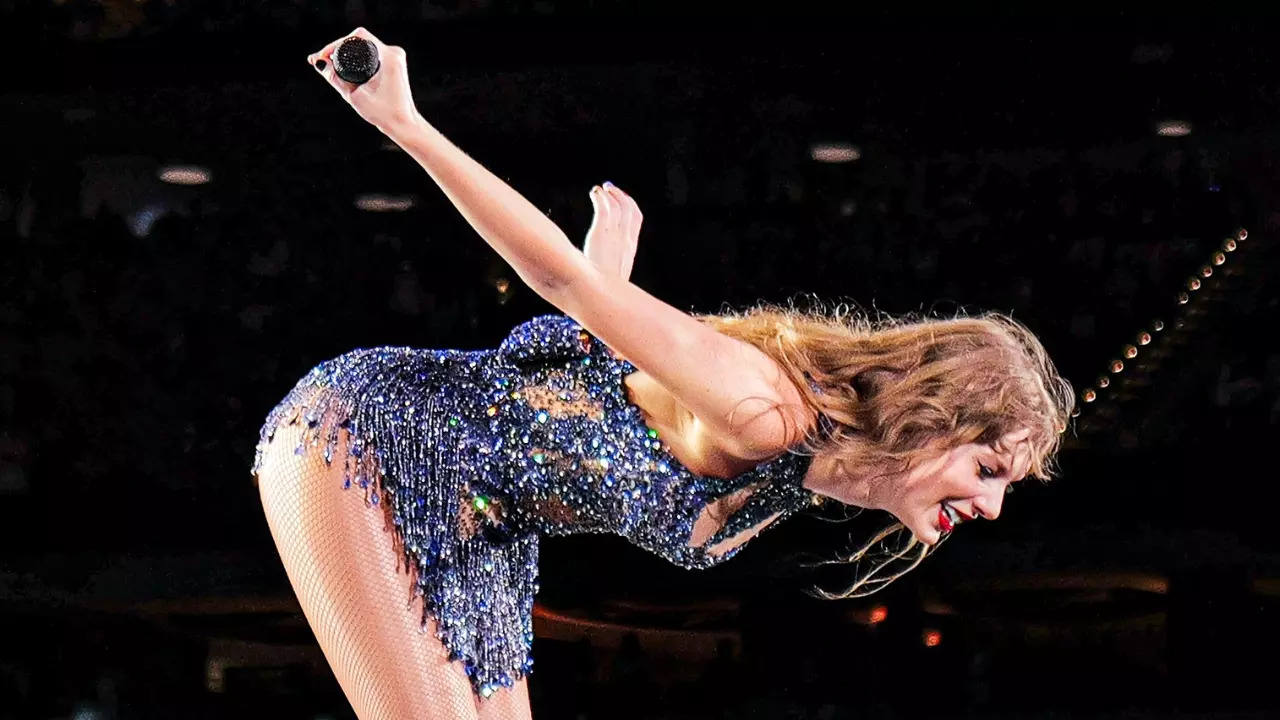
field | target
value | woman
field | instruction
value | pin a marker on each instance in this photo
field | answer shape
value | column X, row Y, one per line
column 686, row 435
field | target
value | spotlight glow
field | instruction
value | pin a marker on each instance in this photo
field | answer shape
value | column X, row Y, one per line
column 185, row 175
column 1173, row 128
column 375, row 202
column 834, row 152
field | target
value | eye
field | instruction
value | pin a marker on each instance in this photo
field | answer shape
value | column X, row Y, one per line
column 986, row 472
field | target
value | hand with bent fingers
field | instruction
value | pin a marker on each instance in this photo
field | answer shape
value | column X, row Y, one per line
column 615, row 231
column 386, row 101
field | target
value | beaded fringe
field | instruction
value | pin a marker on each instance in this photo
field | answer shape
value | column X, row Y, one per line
column 403, row 452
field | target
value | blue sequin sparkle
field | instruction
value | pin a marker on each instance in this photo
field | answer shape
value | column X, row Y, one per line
column 478, row 453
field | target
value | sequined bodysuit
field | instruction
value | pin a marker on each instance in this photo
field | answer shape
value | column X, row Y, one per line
column 475, row 454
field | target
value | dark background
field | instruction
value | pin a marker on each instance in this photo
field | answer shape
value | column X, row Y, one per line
column 1007, row 163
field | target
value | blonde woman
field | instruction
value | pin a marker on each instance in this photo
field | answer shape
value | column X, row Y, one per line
column 406, row 489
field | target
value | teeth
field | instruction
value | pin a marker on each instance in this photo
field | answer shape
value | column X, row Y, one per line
column 952, row 515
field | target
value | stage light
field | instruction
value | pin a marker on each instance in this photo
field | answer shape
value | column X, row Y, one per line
column 834, row 152
column 185, row 175
column 374, row 202
column 1173, row 128
column 932, row 638
column 879, row 614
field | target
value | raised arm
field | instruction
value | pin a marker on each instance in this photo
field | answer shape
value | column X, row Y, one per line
column 742, row 397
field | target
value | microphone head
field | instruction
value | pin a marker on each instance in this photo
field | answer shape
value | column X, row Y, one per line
column 356, row 60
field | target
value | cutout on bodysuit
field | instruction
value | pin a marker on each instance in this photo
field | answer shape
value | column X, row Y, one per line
column 562, row 397
column 718, row 513
column 553, row 508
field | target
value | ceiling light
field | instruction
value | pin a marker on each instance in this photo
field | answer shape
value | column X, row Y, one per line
column 1173, row 128
column 375, row 202
column 834, row 152
column 185, row 174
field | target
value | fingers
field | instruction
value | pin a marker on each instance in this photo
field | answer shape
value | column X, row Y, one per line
column 598, row 219
column 614, row 211
column 628, row 213
column 323, row 59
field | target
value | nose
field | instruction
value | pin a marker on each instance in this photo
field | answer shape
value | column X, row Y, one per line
column 988, row 504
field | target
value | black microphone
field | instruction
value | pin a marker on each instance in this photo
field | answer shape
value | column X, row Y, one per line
column 356, row 60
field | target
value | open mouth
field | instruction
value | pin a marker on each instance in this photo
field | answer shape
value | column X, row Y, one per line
column 949, row 518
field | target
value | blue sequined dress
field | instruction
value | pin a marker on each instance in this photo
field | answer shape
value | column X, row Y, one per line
column 479, row 453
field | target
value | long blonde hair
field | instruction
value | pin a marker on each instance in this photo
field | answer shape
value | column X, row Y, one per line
column 890, row 391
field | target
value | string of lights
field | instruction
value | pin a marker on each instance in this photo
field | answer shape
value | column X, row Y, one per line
column 1145, row 352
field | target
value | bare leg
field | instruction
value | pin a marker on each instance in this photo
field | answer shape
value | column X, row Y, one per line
column 341, row 559
column 507, row 704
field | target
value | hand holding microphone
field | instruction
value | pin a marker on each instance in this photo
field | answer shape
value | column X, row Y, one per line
column 372, row 77
column 356, row 60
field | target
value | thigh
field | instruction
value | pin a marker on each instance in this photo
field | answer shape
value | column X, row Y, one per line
column 507, row 704
column 341, row 558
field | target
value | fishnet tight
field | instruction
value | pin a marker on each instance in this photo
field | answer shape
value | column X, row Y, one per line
column 341, row 559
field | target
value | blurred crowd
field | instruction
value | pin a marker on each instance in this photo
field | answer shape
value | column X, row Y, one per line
column 151, row 350
column 141, row 345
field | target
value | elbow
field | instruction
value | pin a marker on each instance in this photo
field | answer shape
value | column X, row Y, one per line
column 564, row 284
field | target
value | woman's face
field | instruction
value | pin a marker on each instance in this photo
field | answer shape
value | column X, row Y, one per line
column 966, row 483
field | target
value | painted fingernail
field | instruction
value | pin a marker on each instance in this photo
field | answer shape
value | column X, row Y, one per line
column 608, row 185
column 320, row 65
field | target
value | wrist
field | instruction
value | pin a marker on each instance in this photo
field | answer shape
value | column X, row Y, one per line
column 403, row 127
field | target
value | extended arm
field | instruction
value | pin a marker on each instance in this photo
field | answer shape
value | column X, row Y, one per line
column 740, row 395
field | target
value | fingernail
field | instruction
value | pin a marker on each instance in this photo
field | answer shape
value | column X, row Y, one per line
column 320, row 65
column 608, row 185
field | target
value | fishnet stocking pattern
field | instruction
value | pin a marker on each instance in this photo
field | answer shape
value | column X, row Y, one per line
column 341, row 558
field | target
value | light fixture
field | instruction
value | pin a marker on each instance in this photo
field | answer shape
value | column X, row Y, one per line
column 185, row 175
column 1173, row 128
column 377, row 202
column 833, row 152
